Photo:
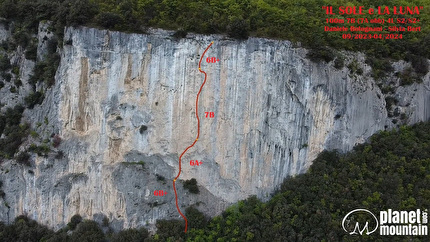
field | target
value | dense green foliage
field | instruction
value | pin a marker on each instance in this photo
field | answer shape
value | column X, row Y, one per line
column 391, row 171
column 34, row 98
column 4, row 63
column 25, row 229
column 14, row 132
column 131, row 235
column 301, row 20
column 87, row 231
column 44, row 71
column 41, row 150
column 2, row 194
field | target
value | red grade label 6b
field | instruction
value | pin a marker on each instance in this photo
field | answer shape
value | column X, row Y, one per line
column 212, row 60
column 159, row 193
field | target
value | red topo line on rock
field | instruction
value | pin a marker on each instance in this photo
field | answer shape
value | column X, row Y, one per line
column 197, row 138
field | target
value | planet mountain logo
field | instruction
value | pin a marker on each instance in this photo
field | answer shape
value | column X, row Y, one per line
column 360, row 216
column 362, row 221
column 403, row 222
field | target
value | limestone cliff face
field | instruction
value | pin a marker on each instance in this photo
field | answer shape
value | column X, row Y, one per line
column 124, row 98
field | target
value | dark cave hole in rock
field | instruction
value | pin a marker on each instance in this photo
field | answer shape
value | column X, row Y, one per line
column 142, row 129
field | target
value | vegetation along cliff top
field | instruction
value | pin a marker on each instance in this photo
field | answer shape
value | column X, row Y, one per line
column 298, row 21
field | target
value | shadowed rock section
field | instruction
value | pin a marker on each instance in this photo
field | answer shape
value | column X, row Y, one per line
column 83, row 92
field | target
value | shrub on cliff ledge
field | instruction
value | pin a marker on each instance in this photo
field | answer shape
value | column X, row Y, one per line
column 14, row 132
column 191, row 185
column 74, row 221
column 420, row 64
column 34, row 98
column 4, row 63
column 23, row 158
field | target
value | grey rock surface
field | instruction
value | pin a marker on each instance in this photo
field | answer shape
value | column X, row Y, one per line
column 275, row 110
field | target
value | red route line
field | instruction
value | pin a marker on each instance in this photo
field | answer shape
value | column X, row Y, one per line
column 197, row 138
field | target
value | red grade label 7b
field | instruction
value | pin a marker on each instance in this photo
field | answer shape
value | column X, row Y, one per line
column 209, row 114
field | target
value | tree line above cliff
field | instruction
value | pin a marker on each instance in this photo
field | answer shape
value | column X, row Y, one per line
column 392, row 171
column 299, row 21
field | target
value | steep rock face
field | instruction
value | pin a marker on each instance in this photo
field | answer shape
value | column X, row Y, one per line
column 121, row 100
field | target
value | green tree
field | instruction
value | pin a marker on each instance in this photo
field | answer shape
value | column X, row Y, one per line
column 87, row 231
column 131, row 235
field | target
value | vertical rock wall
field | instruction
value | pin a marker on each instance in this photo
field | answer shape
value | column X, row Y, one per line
column 124, row 105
